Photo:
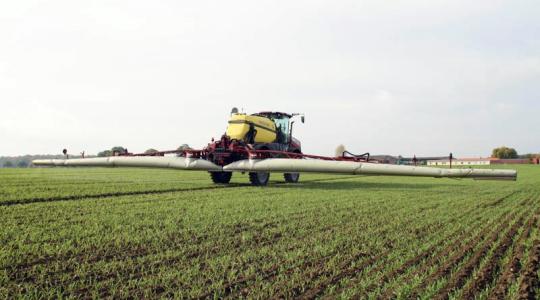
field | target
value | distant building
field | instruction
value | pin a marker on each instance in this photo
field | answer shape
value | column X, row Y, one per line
column 477, row 161
column 419, row 160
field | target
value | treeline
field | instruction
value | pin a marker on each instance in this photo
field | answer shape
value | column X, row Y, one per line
column 510, row 153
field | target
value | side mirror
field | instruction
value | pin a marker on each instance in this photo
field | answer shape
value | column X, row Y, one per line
column 303, row 118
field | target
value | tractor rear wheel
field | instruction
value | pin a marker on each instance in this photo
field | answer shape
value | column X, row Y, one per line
column 221, row 177
column 291, row 177
column 259, row 178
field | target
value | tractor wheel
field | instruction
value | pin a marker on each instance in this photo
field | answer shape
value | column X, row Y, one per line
column 259, row 178
column 291, row 177
column 221, row 177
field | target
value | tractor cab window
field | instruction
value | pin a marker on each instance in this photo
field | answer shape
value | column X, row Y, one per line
column 282, row 128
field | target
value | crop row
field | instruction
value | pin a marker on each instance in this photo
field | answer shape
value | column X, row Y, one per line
column 361, row 237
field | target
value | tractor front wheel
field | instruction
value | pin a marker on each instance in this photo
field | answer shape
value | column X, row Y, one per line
column 259, row 178
column 221, row 177
column 291, row 177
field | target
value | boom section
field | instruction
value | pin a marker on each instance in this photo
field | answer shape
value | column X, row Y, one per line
column 360, row 168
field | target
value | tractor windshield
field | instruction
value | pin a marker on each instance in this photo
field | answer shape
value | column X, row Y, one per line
column 282, row 128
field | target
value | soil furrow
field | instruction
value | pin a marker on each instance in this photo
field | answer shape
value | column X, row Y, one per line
column 492, row 267
column 272, row 272
column 95, row 255
column 411, row 262
column 427, row 256
column 459, row 255
column 458, row 279
column 456, row 241
column 530, row 281
column 511, row 271
column 349, row 271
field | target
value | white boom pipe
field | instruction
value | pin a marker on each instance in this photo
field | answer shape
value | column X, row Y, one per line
column 358, row 168
column 181, row 163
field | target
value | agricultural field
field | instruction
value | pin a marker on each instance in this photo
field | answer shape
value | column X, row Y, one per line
column 141, row 233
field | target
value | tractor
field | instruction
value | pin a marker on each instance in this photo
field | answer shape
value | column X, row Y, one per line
column 260, row 144
column 269, row 134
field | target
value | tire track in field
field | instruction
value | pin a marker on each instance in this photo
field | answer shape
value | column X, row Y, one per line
column 512, row 269
column 499, row 200
column 116, row 194
column 459, row 255
column 153, row 192
column 458, row 279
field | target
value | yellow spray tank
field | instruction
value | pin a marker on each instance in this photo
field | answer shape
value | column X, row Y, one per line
column 242, row 127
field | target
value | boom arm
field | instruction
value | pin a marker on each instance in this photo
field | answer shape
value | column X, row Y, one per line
column 180, row 163
column 282, row 165
column 359, row 168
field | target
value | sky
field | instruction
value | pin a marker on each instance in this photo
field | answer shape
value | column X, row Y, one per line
column 388, row 77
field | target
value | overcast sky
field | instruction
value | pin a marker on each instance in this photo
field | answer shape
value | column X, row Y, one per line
column 393, row 77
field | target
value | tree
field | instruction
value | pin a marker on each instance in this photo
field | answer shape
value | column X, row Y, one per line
column 105, row 153
column 504, row 153
column 8, row 164
column 151, row 151
column 118, row 149
column 22, row 164
column 184, row 147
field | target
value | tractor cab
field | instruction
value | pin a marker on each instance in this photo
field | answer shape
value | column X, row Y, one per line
column 262, row 128
column 282, row 122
